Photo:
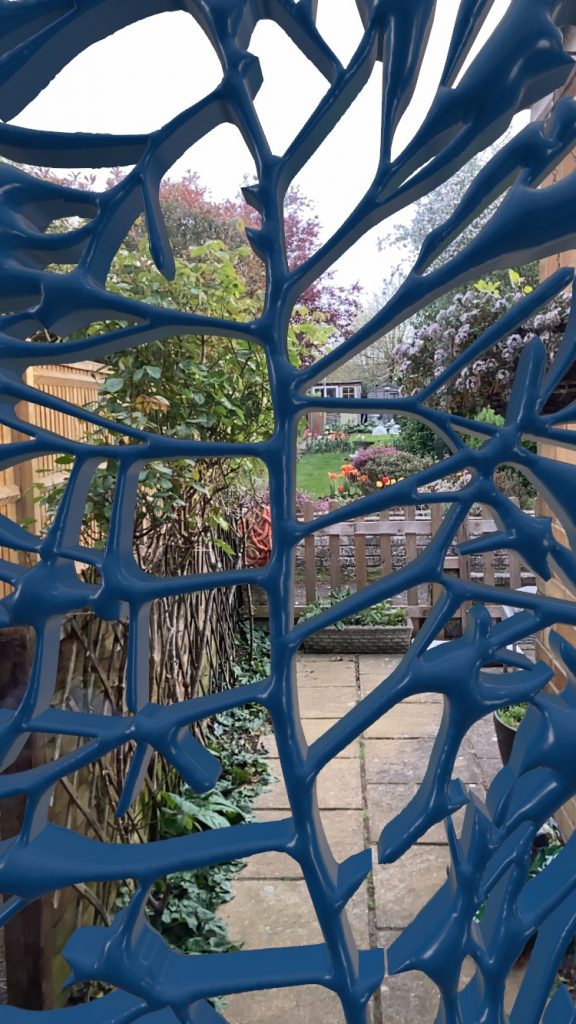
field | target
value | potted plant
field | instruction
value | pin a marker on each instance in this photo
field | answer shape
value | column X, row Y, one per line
column 382, row 628
column 506, row 723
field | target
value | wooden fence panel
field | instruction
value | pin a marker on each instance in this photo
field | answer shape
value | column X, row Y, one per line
column 310, row 556
column 334, row 547
column 435, row 524
column 20, row 485
column 400, row 538
column 385, row 548
column 360, row 552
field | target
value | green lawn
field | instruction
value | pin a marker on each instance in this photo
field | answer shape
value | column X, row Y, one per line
column 312, row 470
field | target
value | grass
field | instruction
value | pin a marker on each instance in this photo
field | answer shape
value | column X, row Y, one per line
column 312, row 470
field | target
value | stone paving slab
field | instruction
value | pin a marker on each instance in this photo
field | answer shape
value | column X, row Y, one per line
column 412, row 998
column 407, row 721
column 318, row 670
column 490, row 766
column 362, row 789
column 276, row 914
column 339, row 786
column 308, row 1004
column 326, row 702
column 279, row 912
column 390, row 761
column 313, row 728
column 344, row 831
column 482, row 737
column 402, row 888
column 374, row 668
column 385, row 802
column 409, row 998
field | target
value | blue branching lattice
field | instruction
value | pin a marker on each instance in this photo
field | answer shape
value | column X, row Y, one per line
column 521, row 62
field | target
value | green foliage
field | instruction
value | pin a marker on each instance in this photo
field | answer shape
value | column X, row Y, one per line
column 381, row 464
column 544, row 857
column 514, row 484
column 420, row 440
column 183, row 906
column 486, row 415
column 331, row 440
column 382, row 614
column 252, row 656
column 188, row 387
column 512, row 715
column 543, row 852
column 432, row 344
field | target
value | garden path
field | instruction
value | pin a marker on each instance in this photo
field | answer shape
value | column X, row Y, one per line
column 358, row 792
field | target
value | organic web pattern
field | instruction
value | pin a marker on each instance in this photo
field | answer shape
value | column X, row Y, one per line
column 523, row 61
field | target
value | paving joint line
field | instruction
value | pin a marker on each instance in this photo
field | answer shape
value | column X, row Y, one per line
column 377, row 1016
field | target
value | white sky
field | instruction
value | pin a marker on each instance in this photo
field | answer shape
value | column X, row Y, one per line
column 141, row 77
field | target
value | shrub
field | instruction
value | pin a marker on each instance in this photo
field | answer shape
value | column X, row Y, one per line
column 486, row 415
column 420, row 440
column 382, row 614
column 335, row 440
column 382, row 465
column 428, row 348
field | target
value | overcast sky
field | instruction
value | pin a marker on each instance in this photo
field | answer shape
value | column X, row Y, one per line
column 141, row 77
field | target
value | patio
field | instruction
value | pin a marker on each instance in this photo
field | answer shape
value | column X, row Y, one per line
column 358, row 793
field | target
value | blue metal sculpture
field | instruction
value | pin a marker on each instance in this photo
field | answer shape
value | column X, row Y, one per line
column 523, row 61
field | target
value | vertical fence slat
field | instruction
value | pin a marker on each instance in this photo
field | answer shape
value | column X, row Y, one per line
column 385, row 548
column 411, row 552
column 334, row 547
column 309, row 556
column 489, row 572
column 360, row 560
column 463, row 568
column 514, row 562
column 435, row 523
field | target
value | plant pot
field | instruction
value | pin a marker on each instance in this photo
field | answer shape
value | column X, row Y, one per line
column 360, row 640
column 505, row 735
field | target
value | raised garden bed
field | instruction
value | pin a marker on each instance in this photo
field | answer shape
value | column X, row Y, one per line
column 360, row 640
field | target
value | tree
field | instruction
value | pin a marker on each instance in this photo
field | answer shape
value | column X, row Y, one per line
column 193, row 218
column 449, row 325
column 191, row 386
column 429, row 347
column 376, row 364
column 435, row 208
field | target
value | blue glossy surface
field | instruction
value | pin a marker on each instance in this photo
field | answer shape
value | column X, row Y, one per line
column 522, row 61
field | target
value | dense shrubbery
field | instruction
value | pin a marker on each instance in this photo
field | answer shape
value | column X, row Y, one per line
column 336, row 440
column 382, row 614
column 183, row 907
column 381, row 465
column 429, row 348
column 420, row 440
